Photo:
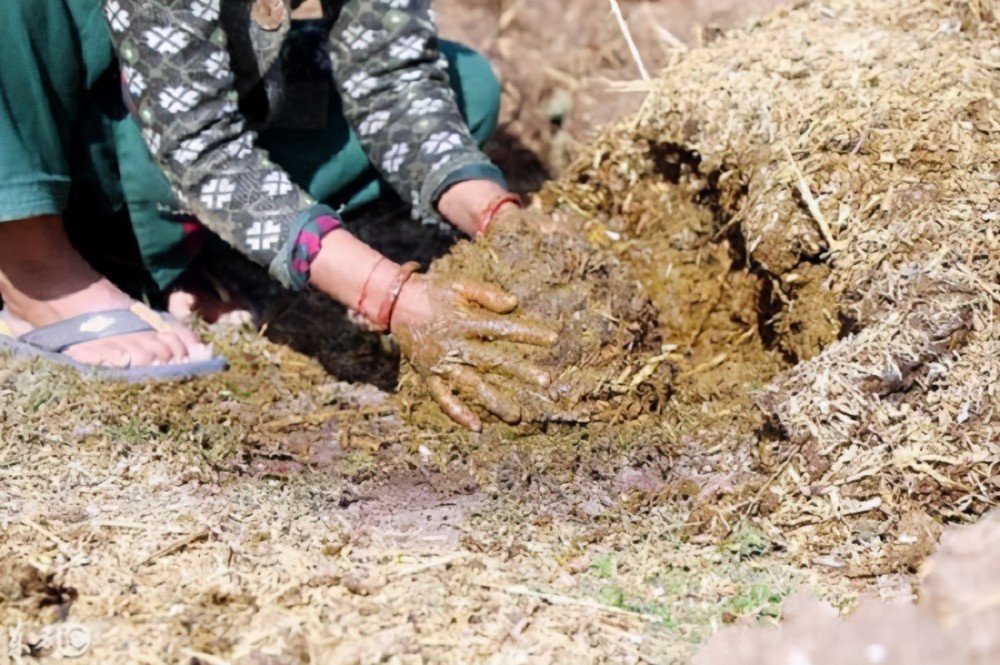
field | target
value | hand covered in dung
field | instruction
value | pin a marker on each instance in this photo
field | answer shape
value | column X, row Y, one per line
column 450, row 331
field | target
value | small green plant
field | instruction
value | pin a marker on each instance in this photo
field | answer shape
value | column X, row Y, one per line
column 613, row 595
column 747, row 541
column 358, row 463
column 131, row 432
column 39, row 398
column 236, row 391
column 604, row 565
column 757, row 600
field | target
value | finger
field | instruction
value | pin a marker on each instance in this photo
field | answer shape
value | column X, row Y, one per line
column 489, row 296
column 452, row 406
column 489, row 397
column 512, row 330
column 495, row 360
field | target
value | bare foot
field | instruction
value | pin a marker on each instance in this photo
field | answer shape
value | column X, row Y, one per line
column 43, row 280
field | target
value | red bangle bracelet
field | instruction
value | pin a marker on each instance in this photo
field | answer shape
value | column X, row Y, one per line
column 406, row 271
column 490, row 211
column 364, row 289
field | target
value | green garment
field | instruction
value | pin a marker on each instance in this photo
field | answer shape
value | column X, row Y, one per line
column 69, row 147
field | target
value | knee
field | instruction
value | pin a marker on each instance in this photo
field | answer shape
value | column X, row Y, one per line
column 477, row 89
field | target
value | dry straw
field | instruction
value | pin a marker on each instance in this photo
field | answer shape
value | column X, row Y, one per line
column 855, row 146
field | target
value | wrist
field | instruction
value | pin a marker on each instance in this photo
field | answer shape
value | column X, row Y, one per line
column 361, row 279
column 412, row 306
column 345, row 265
column 466, row 204
column 493, row 209
column 391, row 296
column 375, row 289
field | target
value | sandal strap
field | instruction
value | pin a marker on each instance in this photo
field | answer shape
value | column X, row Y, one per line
column 68, row 333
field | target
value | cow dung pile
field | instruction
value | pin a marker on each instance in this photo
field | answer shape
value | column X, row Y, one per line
column 784, row 271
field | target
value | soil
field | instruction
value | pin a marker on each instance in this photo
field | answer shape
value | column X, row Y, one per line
column 300, row 509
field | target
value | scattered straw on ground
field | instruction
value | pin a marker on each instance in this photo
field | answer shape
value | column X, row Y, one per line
column 810, row 208
column 220, row 522
column 848, row 150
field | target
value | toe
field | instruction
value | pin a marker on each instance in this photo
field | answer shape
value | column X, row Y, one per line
column 104, row 353
column 187, row 337
column 141, row 355
column 158, row 348
column 238, row 318
column 178, row 350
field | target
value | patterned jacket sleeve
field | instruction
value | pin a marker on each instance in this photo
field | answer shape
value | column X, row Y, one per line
column 180, row 87
column 395, row 86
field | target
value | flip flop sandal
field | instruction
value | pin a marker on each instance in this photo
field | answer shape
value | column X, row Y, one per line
column 50, row 342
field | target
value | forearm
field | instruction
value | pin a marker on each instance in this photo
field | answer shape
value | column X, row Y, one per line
column 344, row 264
column 397, row 94
column 180, row 87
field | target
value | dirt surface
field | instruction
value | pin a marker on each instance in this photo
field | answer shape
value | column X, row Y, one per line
column 682, row 476
column 275, row 515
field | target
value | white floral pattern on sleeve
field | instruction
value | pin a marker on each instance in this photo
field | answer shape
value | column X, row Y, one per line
column 118, row 18
column 397, row 94
column 180, row 84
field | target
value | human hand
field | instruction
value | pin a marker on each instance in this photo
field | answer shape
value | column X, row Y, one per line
column 449, row 329
column 473, row 204
column 477, row 207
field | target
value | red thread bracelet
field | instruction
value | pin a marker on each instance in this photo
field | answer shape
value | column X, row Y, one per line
column 364, row 289
column 389, row 304
column 492, row 208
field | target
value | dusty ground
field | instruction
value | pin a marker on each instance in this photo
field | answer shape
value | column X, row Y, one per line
column 289, row 512
column 245, row 518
